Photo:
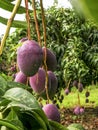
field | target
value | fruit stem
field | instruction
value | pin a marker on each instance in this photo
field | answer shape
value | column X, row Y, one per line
column 79, row 80
column 68, row 83
column 27, row 81
column 9, row 23
column 43, row 22
column 78, row 93
column 28, row 20
column 45, row 56
column 36, row 22
column 78, row 99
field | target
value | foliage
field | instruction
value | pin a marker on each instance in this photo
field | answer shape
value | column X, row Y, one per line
column 73, row 40
column 87, row 8
column 8, row 6
column 75, row 126
column 20, row 111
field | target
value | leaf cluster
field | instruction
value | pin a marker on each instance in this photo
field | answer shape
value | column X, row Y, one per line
column 73, row 40
column 19, row 109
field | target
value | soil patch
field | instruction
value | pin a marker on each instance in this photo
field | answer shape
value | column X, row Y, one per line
column 89, row 119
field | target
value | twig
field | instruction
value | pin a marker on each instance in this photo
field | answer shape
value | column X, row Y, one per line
column 28, row 19
column 36, row 22
column 9, row 23
column 43, row 22
column 45, row 56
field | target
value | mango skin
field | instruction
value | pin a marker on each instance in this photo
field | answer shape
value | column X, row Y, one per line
column 20, row 78
column 37, row 82
column 23, row 39
column 52, row 86
column 51, row 112
column 29, row 57
column 50, row 59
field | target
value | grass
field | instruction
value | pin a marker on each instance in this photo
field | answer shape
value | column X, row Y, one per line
column 71, row 100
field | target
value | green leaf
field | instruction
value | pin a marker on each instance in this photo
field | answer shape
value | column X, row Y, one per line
column 39, row 120
column 19, row 24
column 16, row 23
column 25, row 101
column 3, row 82
column 23, row 97
column 12, row 84
column 87, row 7
column 57, row 126
column 75, row 126
column 9, row 124
column 43, row 116
column 28, row 120
column 12, row 117
column 3, row 85
column 7, row 5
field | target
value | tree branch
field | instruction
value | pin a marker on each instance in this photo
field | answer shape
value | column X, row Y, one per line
column 9, row 23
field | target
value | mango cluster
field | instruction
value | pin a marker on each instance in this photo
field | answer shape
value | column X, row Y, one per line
column 30, row 61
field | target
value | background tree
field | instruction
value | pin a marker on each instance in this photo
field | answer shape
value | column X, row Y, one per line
column 73, row 40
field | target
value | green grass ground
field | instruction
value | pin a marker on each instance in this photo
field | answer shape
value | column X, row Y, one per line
column 71, row 100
